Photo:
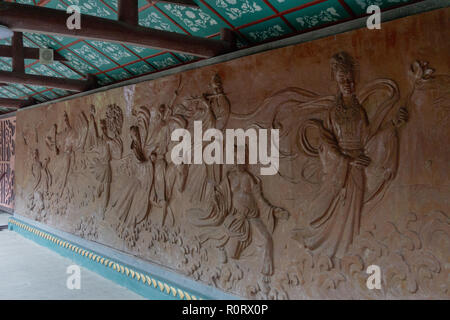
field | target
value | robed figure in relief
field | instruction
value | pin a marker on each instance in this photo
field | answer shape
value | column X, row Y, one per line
column 356, row 154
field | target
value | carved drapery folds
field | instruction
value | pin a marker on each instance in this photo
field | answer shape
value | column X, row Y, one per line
column 363, row 177
column 7, row 156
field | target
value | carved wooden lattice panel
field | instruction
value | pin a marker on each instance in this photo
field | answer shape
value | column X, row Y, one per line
column 7, row 156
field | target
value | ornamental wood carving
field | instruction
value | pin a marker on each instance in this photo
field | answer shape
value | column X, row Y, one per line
column 7, row 157
column 363, row 176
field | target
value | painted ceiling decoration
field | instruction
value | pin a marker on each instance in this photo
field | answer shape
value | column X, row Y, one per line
column 252, row 21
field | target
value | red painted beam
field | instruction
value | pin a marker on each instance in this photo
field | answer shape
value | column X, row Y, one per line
column 18, row 60
column 20, row 17
column 51, row 82
column 29, row 53
column 15, row 103
column 128, row 11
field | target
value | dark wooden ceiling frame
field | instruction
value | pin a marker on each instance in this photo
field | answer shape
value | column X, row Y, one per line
column 51, row 82
column 128, row 12
column 18, row 58
column 15, row 103
column 187, row 3
column 20, row 17
column 28, row 53
column 18, row 75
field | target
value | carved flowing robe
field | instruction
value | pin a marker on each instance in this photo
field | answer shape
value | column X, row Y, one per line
column 67, row 145
column 231, row 226
column 220, row 109
column 100, row 150
column 132, row 199
column 334, row 215
column 202, row 174
column 335, row 211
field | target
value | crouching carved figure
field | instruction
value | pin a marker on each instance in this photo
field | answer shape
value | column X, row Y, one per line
column 239, row 210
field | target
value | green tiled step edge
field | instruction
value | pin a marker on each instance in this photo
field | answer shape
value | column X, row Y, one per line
column 138, row 281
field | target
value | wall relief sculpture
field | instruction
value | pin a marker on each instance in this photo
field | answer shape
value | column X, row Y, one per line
column 7, row 157
column 362, row 180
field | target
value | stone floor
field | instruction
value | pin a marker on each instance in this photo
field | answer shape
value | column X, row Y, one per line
column 30, row 271
column 4, row 218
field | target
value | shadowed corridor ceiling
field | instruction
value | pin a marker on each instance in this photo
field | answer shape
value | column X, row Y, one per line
column 253, row 22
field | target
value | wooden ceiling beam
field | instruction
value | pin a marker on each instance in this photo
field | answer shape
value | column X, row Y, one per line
column 15, row 103
column 18, row 58
column 26, row 18
column 29, row 53
column 51, row 82
column 187, row 3
column 128, row 11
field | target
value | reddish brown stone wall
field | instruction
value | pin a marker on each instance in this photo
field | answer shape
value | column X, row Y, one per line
column 363, row 180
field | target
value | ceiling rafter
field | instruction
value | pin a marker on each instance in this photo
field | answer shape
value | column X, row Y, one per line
column 128, row 11
column 187, row 3
column 20, row 17
column 15, row 103
column 29, row 53
column 18, row 75
column 252, row 25
column 45, row 81
column 18, row 57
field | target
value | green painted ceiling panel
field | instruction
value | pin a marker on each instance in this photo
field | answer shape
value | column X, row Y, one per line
column 56, row 4
column 185, row 57
column 253, row 21
column 91, row 7
column 119, row 74
column 197, row 21
column 42, row 40
column 5, row 64
column 317, row 15
column 152, row 17
column 163, row 61
column 7, row 93
column 92, row 55
column 139, row 68
column 241, row 12
column 26, row 2
column 266, row 30
column 23, row 89
column 143, row 52
column 50, row 95
column 5, row 42
column 103, row 79
column 116, row 52
column 78, row 63
column 360, row 6
column 282, row 5
column 64, row 70
column 15, row 93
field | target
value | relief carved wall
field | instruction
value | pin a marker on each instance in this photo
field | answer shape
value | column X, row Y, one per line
column 7, row 157
column 363, row 176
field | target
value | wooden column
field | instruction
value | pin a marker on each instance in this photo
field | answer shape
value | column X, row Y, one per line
column 18, row 57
